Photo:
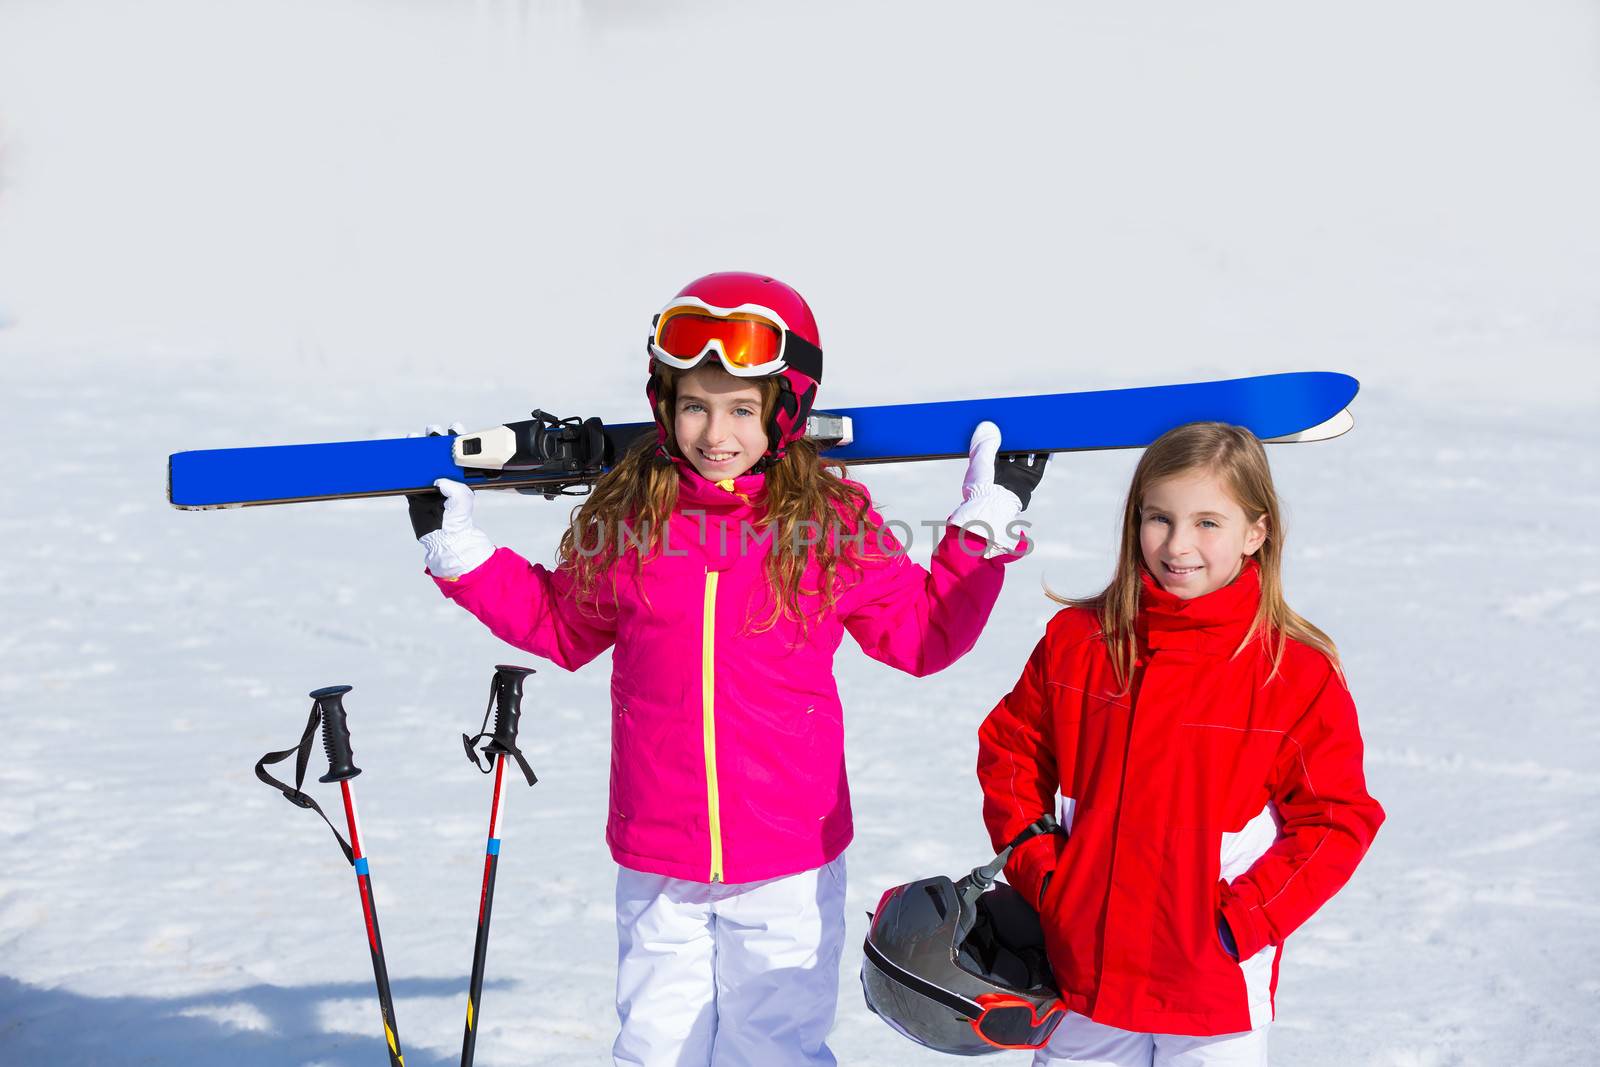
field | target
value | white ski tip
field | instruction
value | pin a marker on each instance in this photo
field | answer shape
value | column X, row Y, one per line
column 1337, row 426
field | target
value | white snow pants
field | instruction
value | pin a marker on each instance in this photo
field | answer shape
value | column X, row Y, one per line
column 1082, row 1041
column 715, row 975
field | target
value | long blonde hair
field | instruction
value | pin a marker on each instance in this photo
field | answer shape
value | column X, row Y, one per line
column 632, row 503
column 1236, row 457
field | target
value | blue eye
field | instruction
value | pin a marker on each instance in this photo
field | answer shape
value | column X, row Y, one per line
column 1210, row 523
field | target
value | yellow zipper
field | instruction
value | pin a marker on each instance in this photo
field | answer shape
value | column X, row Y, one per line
column 709, row 705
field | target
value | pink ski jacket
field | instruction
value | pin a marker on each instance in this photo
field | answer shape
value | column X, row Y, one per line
column 727, row 744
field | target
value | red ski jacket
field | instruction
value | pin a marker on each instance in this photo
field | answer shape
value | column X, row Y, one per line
column 1210, row 790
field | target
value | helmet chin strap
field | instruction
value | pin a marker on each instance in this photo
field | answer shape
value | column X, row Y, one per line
column 977, row 883
column 777, row 447
column 797, row 408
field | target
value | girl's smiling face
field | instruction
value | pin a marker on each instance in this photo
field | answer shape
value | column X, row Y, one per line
column 1194, row 536
column 717, row 422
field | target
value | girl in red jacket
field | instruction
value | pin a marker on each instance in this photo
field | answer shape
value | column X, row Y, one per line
column 1205, row 749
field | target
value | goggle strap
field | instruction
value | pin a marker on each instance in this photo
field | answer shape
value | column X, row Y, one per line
column 970, row 1010
column 957, row 1003
column 803, row 356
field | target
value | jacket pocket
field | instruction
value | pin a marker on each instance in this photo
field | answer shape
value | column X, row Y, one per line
column 1219, row 924
column 621, row 745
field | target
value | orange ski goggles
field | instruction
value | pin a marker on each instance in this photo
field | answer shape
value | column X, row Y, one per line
column 1012, row 1022
column 750, row 341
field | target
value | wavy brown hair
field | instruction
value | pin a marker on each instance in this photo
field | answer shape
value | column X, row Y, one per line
column 1239, row 461
column 628, row 510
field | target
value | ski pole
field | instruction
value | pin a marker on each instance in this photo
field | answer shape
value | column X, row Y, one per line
column 341, row 769
column 327, row 709
column 505, row 699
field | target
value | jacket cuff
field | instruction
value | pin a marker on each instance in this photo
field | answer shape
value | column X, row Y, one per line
column 1248, row 924
column 454, row 585
column 988, row 513
column 451, row 554
column 971, row 542
column 1028, row 864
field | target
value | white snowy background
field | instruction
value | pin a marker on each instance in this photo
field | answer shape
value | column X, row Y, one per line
column 229, row 223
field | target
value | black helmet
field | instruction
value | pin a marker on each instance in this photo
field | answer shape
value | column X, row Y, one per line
column 960, row 966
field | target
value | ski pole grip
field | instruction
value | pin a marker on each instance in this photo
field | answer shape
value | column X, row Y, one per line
column 335, row 733
column 508, row 704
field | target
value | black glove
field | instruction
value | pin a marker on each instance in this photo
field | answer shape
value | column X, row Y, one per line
column 427, row 512
column 427, row 509
column 1020, row 472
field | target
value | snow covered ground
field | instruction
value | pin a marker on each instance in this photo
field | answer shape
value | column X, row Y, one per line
column 158, row 905
column 228, row 224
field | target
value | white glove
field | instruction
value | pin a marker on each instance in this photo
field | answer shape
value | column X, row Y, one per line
column 987, row 509
column 457, row 546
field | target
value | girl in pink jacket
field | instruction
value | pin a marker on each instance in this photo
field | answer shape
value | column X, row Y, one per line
column 723, row 562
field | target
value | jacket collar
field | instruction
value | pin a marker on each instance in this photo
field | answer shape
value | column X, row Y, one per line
column 1214, row 623
column 696, row 491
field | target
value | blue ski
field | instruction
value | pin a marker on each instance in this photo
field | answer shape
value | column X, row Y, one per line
column 549, row 455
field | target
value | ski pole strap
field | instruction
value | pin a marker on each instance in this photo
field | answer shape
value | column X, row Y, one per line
column 302, row 753
column 505, row 701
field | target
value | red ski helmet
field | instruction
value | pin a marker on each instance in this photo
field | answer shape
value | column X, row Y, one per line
column 755, row 326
